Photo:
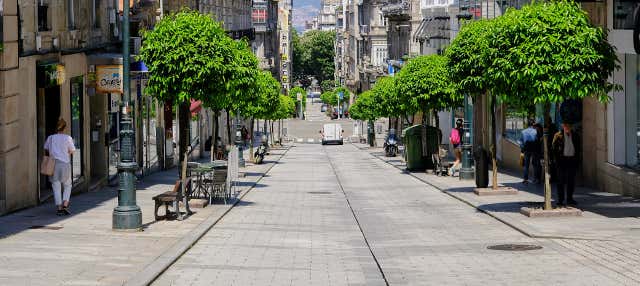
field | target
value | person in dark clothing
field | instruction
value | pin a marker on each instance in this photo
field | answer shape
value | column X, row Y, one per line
column 530, row 148
column 566, row 150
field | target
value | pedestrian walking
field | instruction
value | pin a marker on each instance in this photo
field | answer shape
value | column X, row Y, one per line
column 455, row 138
column 245, row 136
column 60, row 146
column 530, row 150
column 566, row 150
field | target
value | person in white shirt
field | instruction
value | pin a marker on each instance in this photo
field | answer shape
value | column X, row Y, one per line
column 60, row 146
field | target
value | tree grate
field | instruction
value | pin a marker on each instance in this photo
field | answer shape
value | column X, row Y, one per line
column 48, row 227
column 514, row 247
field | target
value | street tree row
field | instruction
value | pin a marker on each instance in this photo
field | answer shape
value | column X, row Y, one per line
column 544, row 53
column 190, row 57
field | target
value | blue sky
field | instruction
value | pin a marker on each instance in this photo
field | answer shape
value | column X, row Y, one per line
column 304, row 10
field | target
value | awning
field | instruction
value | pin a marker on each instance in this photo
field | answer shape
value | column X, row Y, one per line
column 196, row 106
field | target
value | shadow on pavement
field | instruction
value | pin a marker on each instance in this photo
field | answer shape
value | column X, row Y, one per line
column 45, row 214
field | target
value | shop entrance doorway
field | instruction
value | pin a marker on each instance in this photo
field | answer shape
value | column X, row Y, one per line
column 48, row 106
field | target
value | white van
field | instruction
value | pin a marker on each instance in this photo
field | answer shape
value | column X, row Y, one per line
column 332, row 133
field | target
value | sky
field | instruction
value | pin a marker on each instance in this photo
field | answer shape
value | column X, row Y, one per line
column 304, row 10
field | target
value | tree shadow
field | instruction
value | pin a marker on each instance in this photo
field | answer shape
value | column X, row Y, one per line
column 254, row 174
column 45, row 214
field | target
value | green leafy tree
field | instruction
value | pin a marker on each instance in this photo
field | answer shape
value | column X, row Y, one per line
column 329, row 97
column 544, row 53
column 313, row 56
column 327, row 85
column 424, row 85
column 385, row 92
column 262, row 101
column 366, row 107
column 189, row 56
column 293, row 93
column 553, row 53
column 345, row 93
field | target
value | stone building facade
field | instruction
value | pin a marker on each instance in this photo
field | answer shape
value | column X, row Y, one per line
column 45, row 75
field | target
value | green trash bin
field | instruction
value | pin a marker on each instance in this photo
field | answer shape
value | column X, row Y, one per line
column 414, row 156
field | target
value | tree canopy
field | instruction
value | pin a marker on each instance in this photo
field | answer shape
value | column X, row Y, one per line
column 424, row 84
column 264, row 97
column 365, row 107
column 293, row 93
column 331, row 97
column 385, row 92
column 189, row 56
column 313, row 56
column 544, row 52
column 553, row 53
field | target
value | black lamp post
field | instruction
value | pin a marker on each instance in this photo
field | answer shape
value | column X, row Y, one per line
column 127, row 215
column 239, row 141
column 466, row 172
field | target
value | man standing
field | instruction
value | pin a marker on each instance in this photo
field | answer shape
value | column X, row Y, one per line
column 566, row 151
column 530, row 148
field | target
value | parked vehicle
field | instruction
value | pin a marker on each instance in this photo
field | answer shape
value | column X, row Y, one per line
column 391, row 144
column 261, row 151
column 332, row 133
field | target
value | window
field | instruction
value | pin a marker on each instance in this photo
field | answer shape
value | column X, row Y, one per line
column 632, row 111
column 72, row 10
column 624, row 12
column 43, row 16
column 77, row 84
column 95, row 13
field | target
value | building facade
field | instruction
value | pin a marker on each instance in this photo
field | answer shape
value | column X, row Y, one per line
column 48, row 71
column 283, row 59
column 265, row 24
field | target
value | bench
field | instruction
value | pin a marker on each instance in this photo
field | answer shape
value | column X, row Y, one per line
column 173, row 198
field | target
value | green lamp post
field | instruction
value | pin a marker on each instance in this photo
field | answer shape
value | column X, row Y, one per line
column 127, row 215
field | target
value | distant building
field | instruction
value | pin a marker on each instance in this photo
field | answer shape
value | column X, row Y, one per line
column 311, row 25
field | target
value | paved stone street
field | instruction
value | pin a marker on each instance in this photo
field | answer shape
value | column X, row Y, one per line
column 336, row 215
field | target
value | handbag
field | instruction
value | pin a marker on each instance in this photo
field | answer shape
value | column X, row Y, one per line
column 521, row 160
column 47, row 165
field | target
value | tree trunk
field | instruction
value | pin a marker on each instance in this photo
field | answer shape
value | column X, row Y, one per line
column 184, row 115
column 436, row 119
column 251, row 141
column 272, row 139
column 264, row 128
column 494, row 183
column 547, row 184
column 216, row 127
column 229, row 127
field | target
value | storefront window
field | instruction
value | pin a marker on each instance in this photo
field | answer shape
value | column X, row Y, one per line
column 76, row 126
column 624, row 12
column 632, row 112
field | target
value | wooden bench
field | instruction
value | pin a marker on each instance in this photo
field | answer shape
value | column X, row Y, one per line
column 173, row 198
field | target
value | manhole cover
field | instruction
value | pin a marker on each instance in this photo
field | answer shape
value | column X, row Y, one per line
column 319, row 193
column 514, row 247
column 49, row 227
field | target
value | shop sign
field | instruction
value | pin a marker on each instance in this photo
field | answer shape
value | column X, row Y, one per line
column 50, row 75
column 109, row 79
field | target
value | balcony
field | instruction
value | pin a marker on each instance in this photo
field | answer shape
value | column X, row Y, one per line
column 399, row 10
column 365, row 30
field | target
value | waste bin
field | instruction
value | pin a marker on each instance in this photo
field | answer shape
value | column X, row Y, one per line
column 414, row 156
column 482, row 166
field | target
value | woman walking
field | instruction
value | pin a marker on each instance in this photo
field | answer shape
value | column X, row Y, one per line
column 60, row 146
column 455, row 138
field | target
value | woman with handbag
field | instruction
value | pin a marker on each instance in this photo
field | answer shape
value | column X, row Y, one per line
column 59, row 147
